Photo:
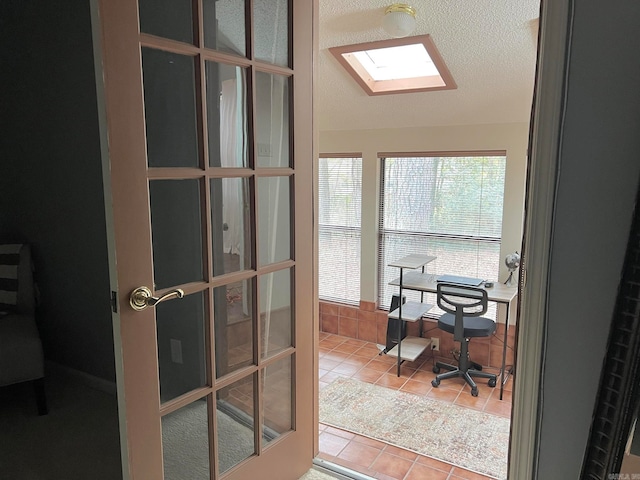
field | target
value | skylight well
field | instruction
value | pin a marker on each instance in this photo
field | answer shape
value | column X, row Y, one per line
column 400, row 65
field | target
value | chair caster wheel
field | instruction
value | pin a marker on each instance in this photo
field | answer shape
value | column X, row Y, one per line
column 435, row 382
column 476, row 366
column 435, row 369
column 492, row 382
column 474, row 392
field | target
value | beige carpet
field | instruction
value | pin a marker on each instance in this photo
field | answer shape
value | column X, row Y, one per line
column 467, row 438
column 185, row 440
column 314, row 474
column 77, row 440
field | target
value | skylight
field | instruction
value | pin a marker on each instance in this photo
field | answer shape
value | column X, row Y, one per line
column 407, row 61
column 400, row 65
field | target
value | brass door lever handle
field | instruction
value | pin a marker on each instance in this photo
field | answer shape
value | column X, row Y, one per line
column 141, row 297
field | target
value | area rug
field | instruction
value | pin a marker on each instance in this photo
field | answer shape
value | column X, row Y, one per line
column 466, row 438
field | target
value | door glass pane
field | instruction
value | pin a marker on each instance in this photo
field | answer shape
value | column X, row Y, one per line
column 275, row 312
column 231, row 225
column 233, row 321
column 272, row 120
column 224, row 26
column 235, row 423
column 180, row 325
column 177, row 232
column 272, row 31
column 167, row 18
column 185, row 442
column 170, row 109
column 274, row 221
column 277, row 404
column 227, row 115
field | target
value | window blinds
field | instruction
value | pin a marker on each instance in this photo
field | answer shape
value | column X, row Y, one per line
column 339, row 202
column 448, row 207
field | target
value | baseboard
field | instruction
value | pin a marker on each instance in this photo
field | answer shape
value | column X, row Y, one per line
column 243, row 419
column 85, row 378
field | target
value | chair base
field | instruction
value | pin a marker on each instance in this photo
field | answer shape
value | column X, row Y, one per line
column 466, row 374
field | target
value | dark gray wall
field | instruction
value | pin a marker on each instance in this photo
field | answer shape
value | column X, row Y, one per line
column 51, row 192
column 599, row 171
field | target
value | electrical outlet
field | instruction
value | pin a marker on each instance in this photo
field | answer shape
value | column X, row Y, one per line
column 264, row 149
column 435, row 344
column 176, row 351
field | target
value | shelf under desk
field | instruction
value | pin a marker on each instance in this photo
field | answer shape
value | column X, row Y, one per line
column 411, row 311
column 411, row 348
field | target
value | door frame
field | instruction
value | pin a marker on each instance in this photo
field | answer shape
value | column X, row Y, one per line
column 545, row 132
column 101, row 102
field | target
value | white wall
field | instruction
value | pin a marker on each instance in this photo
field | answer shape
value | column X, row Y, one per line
column 512, row 138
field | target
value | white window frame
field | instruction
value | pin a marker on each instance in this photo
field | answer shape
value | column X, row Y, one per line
column 429, row 238
column 349, row 270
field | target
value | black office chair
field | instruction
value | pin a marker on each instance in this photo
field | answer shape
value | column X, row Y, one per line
column 464, row 306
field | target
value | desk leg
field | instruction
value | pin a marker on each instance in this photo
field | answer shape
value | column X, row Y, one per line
column 504, row 351
column 399, row 337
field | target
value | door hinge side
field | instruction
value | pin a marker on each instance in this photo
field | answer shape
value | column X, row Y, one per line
column 114, row 301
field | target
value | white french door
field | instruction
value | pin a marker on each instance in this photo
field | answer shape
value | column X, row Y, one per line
column 209, row 124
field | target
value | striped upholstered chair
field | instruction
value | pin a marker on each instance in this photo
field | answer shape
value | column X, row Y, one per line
column 21, row 357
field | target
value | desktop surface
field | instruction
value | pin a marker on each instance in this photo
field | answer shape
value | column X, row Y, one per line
column 459, row 280
column 427, row 282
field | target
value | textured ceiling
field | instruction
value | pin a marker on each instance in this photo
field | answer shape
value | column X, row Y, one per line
column 488, row 45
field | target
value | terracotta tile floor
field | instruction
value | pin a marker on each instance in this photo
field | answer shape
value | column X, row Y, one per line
column 347, row 357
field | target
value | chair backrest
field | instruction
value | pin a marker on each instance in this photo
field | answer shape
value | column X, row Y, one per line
column 17, row 291
column 461, row 301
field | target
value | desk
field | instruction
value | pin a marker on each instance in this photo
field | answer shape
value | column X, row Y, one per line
column 499, row 293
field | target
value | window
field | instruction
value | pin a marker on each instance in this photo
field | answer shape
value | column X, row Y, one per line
column 446, row 206
column 339, row 200
column 398, row 65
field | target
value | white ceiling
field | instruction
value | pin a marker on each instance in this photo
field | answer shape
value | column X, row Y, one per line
column 488, row 45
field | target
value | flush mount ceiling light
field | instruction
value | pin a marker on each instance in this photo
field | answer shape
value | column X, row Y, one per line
column 399, row 20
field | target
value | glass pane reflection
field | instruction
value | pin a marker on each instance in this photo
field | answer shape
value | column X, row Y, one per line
column 272, row 120
column 272, row 31
column 275, row 312
column 170, row 109
column 224, row 26
column 227, row 115
column 274, row 219
column 277, row 399
column 235, row 423
column 167, row 18
column 180, row 325
column 233, row 323
column 177, row 232
column 185, row 442
column 231, row 225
